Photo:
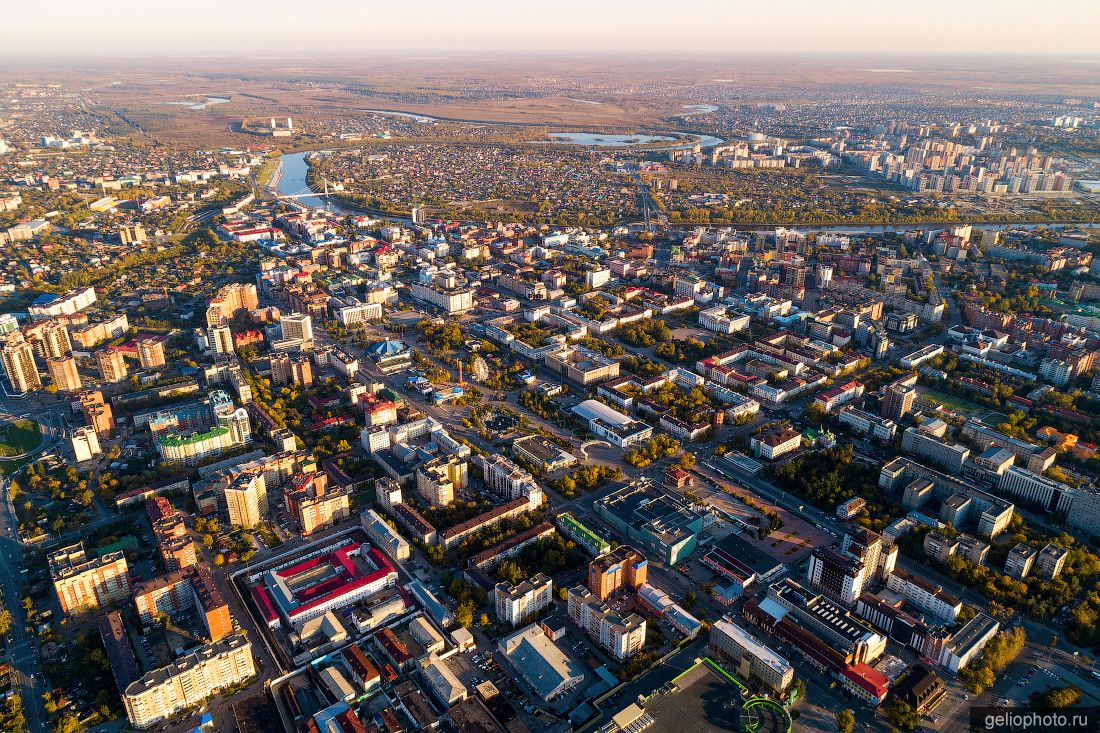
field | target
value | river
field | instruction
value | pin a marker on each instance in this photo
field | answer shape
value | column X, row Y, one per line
column 293, row 181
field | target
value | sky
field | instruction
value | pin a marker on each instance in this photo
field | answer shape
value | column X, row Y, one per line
column 40, row 30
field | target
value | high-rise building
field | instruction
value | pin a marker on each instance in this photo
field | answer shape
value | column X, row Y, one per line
column 17, row 357
column 623, row 567
column 291, row 369
column 845, row 575
column 85, row 443
column 297, row 327
column 55, row 340
column 246, row 500
column 96, row 412
column 897, row 402
column 150, row 353
column 188, row 681
column 220, row 339
column 231, row 300
column 83, row 582
column 112, row 364
column 63, row 372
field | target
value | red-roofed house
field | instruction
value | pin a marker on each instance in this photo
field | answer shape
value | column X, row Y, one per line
column 865, row 682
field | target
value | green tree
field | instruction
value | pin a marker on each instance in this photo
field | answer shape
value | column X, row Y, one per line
column 845, row 721
column 901, row 715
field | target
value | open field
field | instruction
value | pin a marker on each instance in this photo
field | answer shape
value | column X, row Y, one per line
column 18, row 437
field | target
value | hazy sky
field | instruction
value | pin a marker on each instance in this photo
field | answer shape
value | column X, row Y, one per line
column 286, row 27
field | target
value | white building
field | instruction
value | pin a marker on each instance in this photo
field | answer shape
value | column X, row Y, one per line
column 517, row 603
column 722, row 319
column 85, row 443
column 612, row 425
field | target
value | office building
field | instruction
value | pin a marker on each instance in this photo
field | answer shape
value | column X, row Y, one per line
column 17, row 356
column 112, row 365
column 439, row 479
column 150, row 352
column 752, row 658
column 1034, row 489
column 949, row 456
column 517, row 603
column 82, row 582
column 63, row 373
column 582, row 366
column 661, row 524
column 297, row 327
column 188, row 681
column 623, row 567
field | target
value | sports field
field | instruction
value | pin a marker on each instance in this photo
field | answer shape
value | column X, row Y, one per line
column 951, row 402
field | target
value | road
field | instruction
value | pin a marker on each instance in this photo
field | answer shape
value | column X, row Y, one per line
column 23, row 647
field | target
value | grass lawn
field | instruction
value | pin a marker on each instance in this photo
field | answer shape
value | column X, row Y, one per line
column 19, row 437
column 950, row 401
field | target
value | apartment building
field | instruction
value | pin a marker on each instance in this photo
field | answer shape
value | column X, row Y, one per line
column 1019, row 561
column 17, row 357
column 96, row 412
column 313, row 505
column 246, row 499
column 82, row 582
column 64, row 374
column 507, row 480
column 150, row 353
column 439, row 479
column 623, row 567
column 516, row 603
column 621, row 636
column 112, row 365
column 185, row 590
column 164, row 692
column 292, row 369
